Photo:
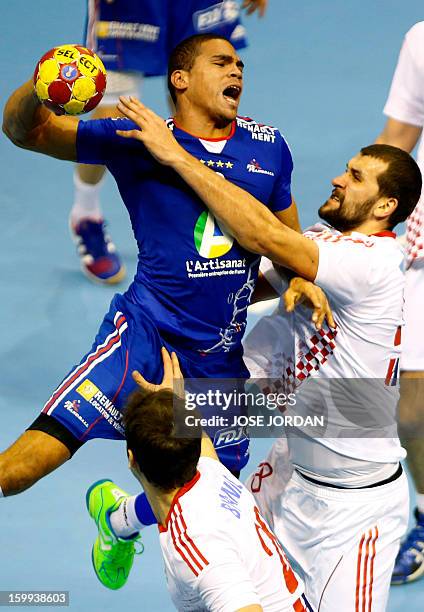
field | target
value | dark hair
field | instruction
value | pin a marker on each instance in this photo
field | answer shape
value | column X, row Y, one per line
column 183, row 55
column 165, row 454
column 402, row 179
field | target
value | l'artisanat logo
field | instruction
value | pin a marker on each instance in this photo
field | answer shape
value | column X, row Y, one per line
column 210, row 239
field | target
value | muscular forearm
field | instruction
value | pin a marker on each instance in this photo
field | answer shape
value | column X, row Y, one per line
column 249, row 221
column 28, row 124
column 23, row 113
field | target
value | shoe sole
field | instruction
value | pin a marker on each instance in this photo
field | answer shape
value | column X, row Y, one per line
column 113, row 280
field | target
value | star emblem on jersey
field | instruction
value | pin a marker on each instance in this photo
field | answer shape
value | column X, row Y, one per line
column 217, row 164
column 210, row 239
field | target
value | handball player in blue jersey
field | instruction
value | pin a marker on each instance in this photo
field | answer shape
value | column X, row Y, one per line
column 193, row 283
column 134, row 38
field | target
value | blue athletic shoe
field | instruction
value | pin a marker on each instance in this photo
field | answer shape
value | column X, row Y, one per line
column 99, row 259
column 409, row 565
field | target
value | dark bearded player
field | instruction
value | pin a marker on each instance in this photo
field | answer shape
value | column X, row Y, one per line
column 193, row 283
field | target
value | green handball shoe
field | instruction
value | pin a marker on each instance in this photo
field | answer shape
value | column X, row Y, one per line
column 112, row 556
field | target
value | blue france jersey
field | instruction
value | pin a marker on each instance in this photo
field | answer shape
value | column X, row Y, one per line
column 140, row 34
column 193, row 279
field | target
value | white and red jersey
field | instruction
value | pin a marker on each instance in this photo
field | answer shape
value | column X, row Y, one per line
column 219, row 553
column 352, row 367
column 406, row 103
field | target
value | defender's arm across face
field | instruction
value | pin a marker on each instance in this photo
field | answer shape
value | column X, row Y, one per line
column 254, row 226
column 29, row 125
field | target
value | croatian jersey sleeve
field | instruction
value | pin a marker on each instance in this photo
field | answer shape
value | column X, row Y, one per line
column 344, row 269
column 406, row 98
column 224, row 585
column 98, row 142
column 281, row 196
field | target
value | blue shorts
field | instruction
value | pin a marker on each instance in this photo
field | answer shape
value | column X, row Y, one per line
column 134, row 35
column 89, row 400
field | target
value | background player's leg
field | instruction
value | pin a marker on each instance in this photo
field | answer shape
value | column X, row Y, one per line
column 99, row 259
column 410, row 560
column 132, row 516
column 91, row 174
column 34, row 455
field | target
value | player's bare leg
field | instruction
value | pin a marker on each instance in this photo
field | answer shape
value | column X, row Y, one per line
column 99, row 260
column 34, row 455
column 411, row 416
column 410, row 561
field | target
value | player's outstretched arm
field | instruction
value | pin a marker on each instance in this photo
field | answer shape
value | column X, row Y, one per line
column 251, row 223
column 400, row 134
column 29, row 125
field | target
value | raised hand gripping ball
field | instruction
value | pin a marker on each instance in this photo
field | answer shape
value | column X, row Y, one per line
column 70, row 80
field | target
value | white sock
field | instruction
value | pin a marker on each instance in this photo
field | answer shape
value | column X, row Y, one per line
column 420, row 502
column 124, row 520
column 1, row 493
column 86, row 200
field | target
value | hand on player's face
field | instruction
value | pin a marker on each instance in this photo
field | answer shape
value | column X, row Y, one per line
column 304, row 292
column 172, row 376
column 153, row 133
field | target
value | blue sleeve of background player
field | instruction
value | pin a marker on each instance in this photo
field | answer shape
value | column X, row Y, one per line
column 281, row 196
column 98, row 143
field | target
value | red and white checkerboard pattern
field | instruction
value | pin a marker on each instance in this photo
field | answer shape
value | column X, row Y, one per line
column 415, row 234
column 310, row 356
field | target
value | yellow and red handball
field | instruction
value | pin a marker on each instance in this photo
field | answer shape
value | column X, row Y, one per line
column 70, row 80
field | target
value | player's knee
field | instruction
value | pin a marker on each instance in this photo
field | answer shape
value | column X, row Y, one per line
column 16, row 476
column 34, row 455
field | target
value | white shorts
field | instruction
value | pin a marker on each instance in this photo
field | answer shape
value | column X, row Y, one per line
column 343, row 542
column 121, row 84
column 413, row 331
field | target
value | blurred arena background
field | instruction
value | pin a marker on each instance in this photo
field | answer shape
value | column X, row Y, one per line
column 317, row 69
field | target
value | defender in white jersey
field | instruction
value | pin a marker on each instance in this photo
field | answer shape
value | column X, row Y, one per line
column 219, row 553
column 405, row 111
column 344, row 537
column 337, row 498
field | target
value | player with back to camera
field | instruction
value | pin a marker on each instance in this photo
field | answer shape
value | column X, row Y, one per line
column 405, row 111
column 134, row 38
column 219, row 552
column 178, row 278
column 345, row 508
